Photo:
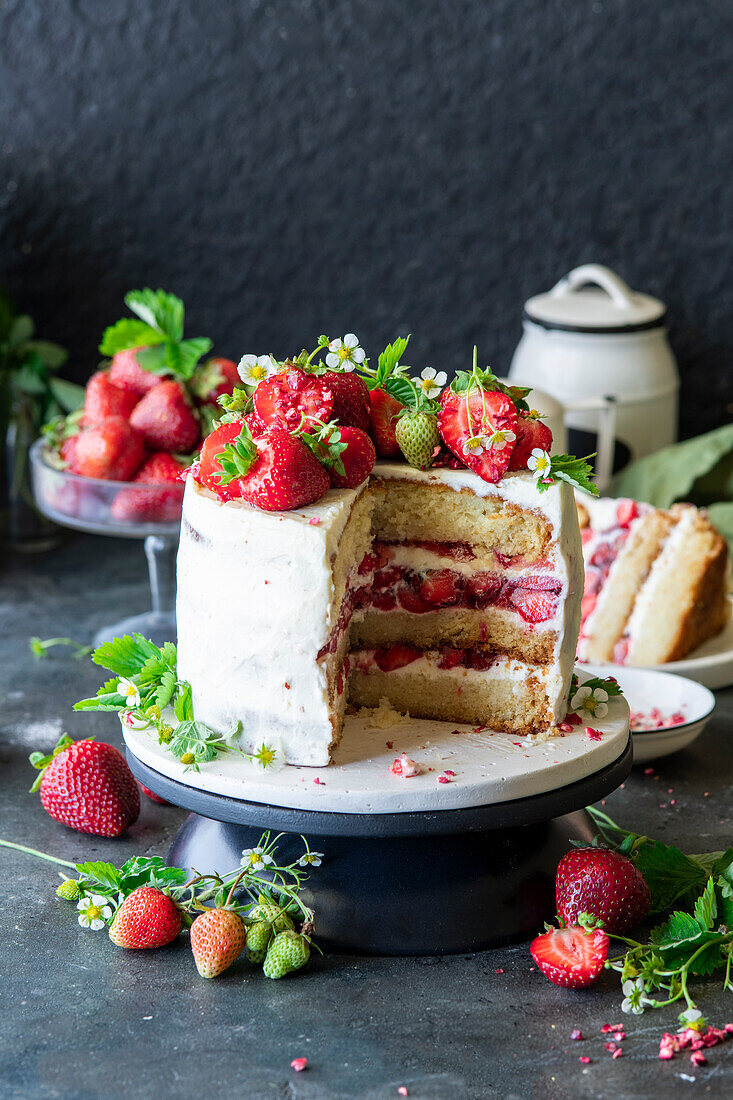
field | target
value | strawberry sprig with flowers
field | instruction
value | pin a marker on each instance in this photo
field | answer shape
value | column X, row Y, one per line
column 145, row 903
column 696, row 938
column 144, row 688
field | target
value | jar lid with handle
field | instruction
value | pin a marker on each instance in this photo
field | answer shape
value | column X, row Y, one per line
column 592, row 298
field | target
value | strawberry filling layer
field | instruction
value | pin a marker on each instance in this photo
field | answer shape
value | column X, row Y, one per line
column 390, row 658
column 607, row 545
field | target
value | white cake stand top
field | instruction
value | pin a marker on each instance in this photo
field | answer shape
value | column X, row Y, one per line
column 487, row 767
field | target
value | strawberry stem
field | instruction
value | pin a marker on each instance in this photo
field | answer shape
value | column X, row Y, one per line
column 35, row 852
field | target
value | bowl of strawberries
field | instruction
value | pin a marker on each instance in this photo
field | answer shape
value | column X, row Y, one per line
column 116, row 467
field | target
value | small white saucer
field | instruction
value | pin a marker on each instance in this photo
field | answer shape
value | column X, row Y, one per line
column 646, row 688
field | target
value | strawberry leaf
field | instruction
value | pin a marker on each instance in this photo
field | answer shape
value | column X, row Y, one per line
column 575, row 471
column 154, row 359
column 706, row 909
column 128, row 333
column 165, row 689
column 100, row 874
column 125, row 656
column 181, row 357
column 161, row 311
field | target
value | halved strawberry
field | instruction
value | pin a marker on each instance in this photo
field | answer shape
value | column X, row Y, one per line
column 396, row 656
column 350, row 398
column 531, row 434
column 441, row 587
column 384, row 601
column 478, row 413
column 412, row 601
column 626, row 511
column 484, row 587
column 285, row 398
column 533, row 606
column 571, row 957
column 383, row 417
column 358, row 458
column 450, row 657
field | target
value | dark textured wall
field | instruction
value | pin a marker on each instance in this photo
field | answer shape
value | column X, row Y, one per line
column 293, row 167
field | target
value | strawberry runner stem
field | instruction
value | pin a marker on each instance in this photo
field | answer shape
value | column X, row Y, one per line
column 35, row 852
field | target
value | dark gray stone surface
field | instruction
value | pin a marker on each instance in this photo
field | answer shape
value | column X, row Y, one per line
column 301, row 166
column 83, row 1020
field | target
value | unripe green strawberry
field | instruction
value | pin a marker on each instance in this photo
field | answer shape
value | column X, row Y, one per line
column 418, row 436
column 68, row 890
column 268, row 911
column 258, row 940
column 288, row 951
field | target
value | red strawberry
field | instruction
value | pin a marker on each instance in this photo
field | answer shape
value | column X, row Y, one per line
column 410, row 600
column 103, row 399
column 152, row 505
column 358, row 458
column 146, row 918
column 218, row 938
column 112, row 450
column 604, row 884
column 283, row 399
column 285, row 475
column 88, row 786
column 396, row 656
column 383, row 418
column 213, row 378
column 530, row 433
column 350, row 398
column 626, row 511
column 165, row 419
column 153, row 796
column 465, row 416
column 127, row 373
column 68, row 453
column 209, row 470
column 534, row 606
column 484, row 587
column 571, row 957
column 441, row 588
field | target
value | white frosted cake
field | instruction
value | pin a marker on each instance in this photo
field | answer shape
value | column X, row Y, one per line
column 451, row 596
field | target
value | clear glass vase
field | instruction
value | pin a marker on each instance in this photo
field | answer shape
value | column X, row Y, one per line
column 28, row 528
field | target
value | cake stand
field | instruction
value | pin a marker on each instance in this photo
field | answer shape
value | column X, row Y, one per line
column 97, row 507
column 411, row 866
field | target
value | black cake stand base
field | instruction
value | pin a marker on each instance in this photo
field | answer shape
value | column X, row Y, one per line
column 426, row 883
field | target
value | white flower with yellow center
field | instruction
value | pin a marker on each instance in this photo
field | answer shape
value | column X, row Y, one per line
column 345, row 354
column 475, row 446
column 431, row 382
column 128, row 691
column 311, row 859
column 591, row 702
column 94, row 912
column 254, row 369
column 255, row 859
column 501, row 439
column 539, row 462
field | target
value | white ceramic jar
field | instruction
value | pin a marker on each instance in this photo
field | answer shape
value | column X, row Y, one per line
column 592, row 337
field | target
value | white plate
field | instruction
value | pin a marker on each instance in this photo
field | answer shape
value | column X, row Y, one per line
column 487, row 767
column 711, row 664
column 646, row 688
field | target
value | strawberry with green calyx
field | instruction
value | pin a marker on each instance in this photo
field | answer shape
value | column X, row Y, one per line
column 155, row 336
column 146, row 918
column 418, row 437
column 88, row 786
column 383, row 421
column 214, row 378
column 268, row 920
column 288, row 951
column 478, row 422
column 68, row 890
column 218, row 938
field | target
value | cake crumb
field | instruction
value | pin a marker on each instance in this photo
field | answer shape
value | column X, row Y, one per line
column 384, row 716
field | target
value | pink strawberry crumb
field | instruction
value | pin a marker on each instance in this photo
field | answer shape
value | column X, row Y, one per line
column 448, row 772
column 617, row 1053
column 576, row 1033
column 648, row 771
column 698, row 1058
column 610, row 1047
column 595, row 735
column 402, row 1091
column 584, row 1059
column 299, row 1064
column 443, row 779
column 320, row 782
column 619, row 1036
column 405, row 767
column 606, row 1028
column 499, row 971
column 314, row 521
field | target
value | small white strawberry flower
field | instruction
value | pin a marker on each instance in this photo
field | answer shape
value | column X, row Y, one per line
column 345, row 354
column 431, row 382
column 539, row 462
column 311, row 859
column 501, row 438
column 693, row 1018
column 591, row 702
column 255, row 859
column 635, row 998
column 475, row 446
column 94, row 912
column 128, row 691
column 253, row 369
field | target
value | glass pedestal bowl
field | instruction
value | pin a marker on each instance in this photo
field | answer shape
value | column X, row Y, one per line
column 126, row 510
